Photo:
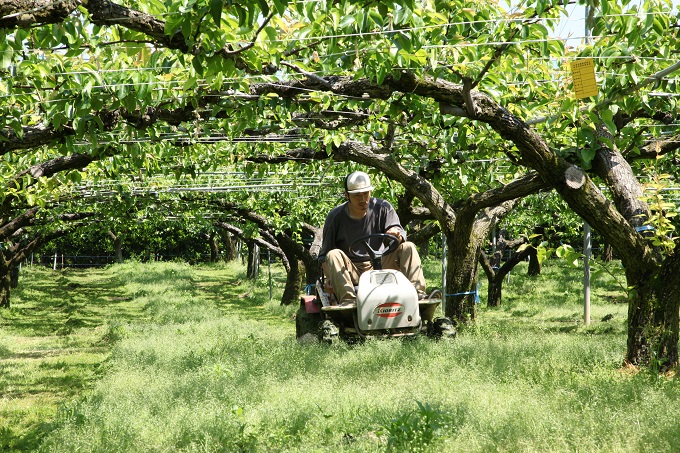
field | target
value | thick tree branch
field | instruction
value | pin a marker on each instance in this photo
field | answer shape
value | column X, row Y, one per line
column 28, row 13
column 519, row 188
column 25, row 219
column 238, row 232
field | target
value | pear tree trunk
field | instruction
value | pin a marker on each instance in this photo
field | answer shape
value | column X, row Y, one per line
column 496, row 276
column 228, row 245
column 117, row 245
column 654, row 305
column 5, row 281
column 253, row 269
column 534, row 264
column 214, row 247
column 461, row 284
column 463, row 248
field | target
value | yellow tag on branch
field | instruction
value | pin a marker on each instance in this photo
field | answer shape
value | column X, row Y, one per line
column 583, row 73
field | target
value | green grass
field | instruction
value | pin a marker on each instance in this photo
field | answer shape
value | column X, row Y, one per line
column 169, row 357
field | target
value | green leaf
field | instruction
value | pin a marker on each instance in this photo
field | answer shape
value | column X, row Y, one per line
column 264, row 7
column 197, row 64
column 587, row 155
column 216, row 11
column 541, row 254
column 563, row 249
column 6, row 59
column 281, row 6
column 376, row 17
column 347, row 21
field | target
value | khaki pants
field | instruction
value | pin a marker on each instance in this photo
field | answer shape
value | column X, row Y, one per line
column 343, row 274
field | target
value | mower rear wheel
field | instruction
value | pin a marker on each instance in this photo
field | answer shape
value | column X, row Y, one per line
column 307, row 326
column 330, row 332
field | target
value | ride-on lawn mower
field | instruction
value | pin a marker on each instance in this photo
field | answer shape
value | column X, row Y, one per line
column 387, row 304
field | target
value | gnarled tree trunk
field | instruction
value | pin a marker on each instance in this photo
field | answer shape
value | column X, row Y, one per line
column 214, row 247
column 461, row 275
column 5, row 281
column 228, row 245
column 653, row 308
column 253, row 269
column 496, row 275
column 534, row 268
column 117, row 245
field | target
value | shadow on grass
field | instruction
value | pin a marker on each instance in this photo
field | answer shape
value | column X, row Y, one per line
column 76, row 299
column 52, row 348
column 237, row 294
column 11, row 440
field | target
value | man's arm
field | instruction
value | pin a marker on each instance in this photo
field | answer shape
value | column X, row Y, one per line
column 393, row 224
column 396, row 232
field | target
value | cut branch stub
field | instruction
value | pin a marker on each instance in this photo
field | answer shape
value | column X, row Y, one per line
column 574, row 177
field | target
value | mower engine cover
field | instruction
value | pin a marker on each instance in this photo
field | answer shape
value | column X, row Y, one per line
column 386, row 299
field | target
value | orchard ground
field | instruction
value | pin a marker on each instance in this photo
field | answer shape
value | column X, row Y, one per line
column 171, row 357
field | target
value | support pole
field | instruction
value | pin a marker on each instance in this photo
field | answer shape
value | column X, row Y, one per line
column 269, row 264
column 587, row 251
column 444, row 273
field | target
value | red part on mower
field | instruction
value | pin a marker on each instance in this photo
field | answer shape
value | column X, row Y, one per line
column 311, row 304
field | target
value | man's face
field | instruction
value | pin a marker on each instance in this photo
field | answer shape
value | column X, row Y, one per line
column 358, row 202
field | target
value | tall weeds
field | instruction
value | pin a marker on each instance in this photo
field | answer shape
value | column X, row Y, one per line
column 212, row 365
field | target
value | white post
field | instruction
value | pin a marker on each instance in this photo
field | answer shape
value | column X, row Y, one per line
column 443, row 273
column 55, row 261
column 269, row 268
column 587, row 251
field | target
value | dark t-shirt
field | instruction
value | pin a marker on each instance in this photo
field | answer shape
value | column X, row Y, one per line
column 340, row 230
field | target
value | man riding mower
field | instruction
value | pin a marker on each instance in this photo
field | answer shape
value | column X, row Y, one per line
column 373, row 279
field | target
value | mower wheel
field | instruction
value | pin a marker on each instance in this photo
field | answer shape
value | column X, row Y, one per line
column 307, row 326
column 443, row 328
column 330, row 333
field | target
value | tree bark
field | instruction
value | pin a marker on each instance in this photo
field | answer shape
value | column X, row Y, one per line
column 14, row 276
column 229, row 247
column 626, row 190
column 496, row 275
column 291, row 291
column 117, row 246
column 654, row 305
column 5, row 280
column 253, row 269
column 462, row 256
column 310, row 259
column 534, row 265
column 214, row 247
column 35, row 12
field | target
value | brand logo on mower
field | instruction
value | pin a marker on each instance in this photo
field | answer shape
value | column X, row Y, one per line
column 389, row 310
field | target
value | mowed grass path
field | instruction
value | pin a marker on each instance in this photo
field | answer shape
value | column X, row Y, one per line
column 52, row 341
column 170, row 357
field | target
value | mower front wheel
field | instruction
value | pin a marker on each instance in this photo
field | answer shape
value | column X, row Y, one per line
column 442, row 328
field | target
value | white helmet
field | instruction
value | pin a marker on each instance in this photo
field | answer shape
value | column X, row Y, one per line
column 358, row 182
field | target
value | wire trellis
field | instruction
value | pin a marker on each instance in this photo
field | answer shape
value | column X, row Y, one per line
column 209, row 182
